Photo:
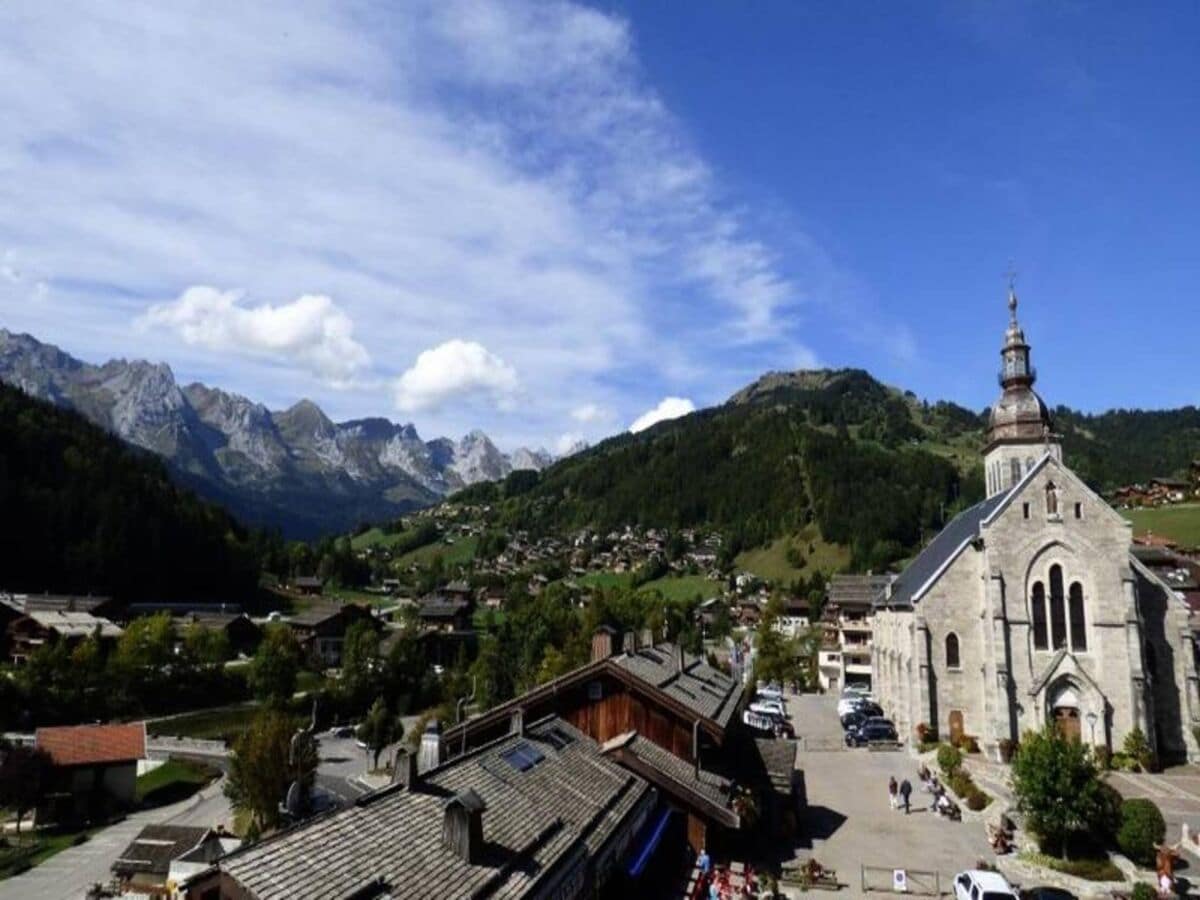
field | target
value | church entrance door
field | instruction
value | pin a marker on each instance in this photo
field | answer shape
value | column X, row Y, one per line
column 956, row 726
column 1066, row 720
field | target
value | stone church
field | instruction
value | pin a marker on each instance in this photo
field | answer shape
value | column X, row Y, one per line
column 1029, row 606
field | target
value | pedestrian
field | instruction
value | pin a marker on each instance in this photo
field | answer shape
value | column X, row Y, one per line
column 704, row 861
column 893, row 791
column 905, row 792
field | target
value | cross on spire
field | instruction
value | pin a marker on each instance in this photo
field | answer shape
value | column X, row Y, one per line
column 1011, row 275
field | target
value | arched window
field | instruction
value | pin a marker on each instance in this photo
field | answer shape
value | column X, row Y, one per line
column 1078, row 625
column 952, row 658
column 1058, row 609
column 1038, row 614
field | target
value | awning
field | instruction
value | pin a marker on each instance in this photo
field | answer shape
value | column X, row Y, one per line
column 648, row 840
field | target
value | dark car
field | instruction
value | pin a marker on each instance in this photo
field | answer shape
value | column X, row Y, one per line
column 869, row 709
column 869, row 732
column 1046, row 893
column 852, row 720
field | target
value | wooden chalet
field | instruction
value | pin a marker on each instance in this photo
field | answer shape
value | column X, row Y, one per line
column 321, row 629
column 661, row 713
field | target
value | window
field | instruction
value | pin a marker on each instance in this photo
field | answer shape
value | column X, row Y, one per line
column 1025, row 509
column 1051, row 499
column 523, row 757
column 1038, row 602
column 1078, row 625
column 1058, row 610
column 1014, row 466
column 1079, row 510
column 952, row 661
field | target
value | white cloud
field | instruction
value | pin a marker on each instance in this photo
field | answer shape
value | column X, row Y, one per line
column 568, row 443
column 668, row 408
column 455, row 370
column 310, row 330
column 590, row 413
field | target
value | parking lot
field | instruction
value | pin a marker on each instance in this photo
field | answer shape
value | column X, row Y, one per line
column 849, row 822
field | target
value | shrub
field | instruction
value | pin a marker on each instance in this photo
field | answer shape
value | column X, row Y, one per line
column 1121, row 762
column 1142, row 826
column 977, row 799
column 1143, row 891
column 926, row 746
column 961, row 783
column 1087, row 869
column 1007, row 748
column 949, row 758
column 1137, row 748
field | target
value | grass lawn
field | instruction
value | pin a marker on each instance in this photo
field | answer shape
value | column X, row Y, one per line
column 684, row 587
column 605, row 580
column 362, row 598
column 770, row 562
column 1179, row 523
column 172, row 781
column 220, row 723
column 460, row 552
column 40, row 847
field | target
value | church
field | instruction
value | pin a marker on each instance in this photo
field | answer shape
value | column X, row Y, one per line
column 1029, row 606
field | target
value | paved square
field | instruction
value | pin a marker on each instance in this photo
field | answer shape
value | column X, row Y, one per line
column 849, row 822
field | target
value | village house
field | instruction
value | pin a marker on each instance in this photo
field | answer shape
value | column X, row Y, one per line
column 94, row 770
column 845, row 654
column 241, row 632
column 321, row 629
column 309, row 585
column 25, row 635
column 162, row 857
column 538, row 812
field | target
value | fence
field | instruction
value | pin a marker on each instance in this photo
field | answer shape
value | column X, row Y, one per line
column 901, row 881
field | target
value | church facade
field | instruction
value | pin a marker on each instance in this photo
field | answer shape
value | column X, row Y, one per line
column 1029, row 606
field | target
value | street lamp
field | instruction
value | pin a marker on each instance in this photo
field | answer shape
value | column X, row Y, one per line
column 1091, row 720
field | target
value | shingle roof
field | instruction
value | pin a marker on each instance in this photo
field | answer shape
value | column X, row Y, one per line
column 156, row 847
column 938, row 552
column 569, row 802
column 700, row 687
column 70, row 602
column 318, row 613
column 75, row 624
column 76, row 745
column 661, row 763
column 850, row 591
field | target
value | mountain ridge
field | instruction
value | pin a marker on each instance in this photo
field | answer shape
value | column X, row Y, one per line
column 294, row 468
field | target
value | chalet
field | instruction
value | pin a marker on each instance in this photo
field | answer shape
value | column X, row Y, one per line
column 308, row 584
column 40, row 627
column 664, row 714
column 16, row 606
column 321, row 629
column 243, row 635
column 94, row 770
column 442, row 613
column 163, row 856
column 540, row 812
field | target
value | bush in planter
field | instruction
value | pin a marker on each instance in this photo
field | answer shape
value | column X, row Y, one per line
column 1143, row 891
column 949, row 758
column 961, row 783
column 1142, row 826
column 977, row 799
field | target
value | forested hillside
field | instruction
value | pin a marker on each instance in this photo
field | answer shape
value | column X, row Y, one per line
column 874, row 468
column 83, row 512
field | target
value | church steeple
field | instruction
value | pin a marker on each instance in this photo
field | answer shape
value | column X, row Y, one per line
column 1020, row 430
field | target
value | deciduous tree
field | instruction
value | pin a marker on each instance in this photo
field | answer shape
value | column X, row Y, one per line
column 261, row 768
column 275, row 666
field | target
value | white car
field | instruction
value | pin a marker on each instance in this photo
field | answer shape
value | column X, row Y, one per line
column 977, row 884
column 763, row 709
column 770, row 692
column 771, row 704
column 849, row 704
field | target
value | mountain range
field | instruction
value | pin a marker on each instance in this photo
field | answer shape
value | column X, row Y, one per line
column 294, row 469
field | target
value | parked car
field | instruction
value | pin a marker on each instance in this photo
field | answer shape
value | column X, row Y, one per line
column 976, row 884
column 772, row 704
column 855, row 702
column 769, row 691
column 768, row 709
column 1046, row 893
column 852, row 720
column 860, row 689
column 868, row 732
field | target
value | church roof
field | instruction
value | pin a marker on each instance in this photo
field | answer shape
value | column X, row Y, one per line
column 963, row 528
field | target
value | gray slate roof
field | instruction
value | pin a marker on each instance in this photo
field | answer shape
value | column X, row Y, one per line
column 939, row 551
column 156, row 846
column 705, row 690
column 856, row 591
column 712, row 787
column 567, row 804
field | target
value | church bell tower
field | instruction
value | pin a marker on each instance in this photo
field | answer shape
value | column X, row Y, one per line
column 1020, row 431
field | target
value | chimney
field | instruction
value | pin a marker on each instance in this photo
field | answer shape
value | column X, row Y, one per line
column 647, row 638
column 630, row 642
column 517, row 722
column 462, row 825
column 603, row 640
column 405, row 770
column 430, row 754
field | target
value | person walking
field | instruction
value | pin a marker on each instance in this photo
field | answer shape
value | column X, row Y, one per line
column 905, row 793
column 893, row 792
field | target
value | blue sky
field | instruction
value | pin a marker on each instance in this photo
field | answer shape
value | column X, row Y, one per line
column 550, row 219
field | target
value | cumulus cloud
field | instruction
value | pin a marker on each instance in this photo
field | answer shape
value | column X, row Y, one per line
column 455, row 370
column 310, row 330
column 591, row 412
column 668, row 408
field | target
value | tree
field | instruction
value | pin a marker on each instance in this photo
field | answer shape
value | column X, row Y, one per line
column 24, row 772
column 361, row 665
column 275, row 666
column 1058, row 788
column 261, row 768
column 1142, row 828
column 380, row 728
column 206, row 646
column 774, row 654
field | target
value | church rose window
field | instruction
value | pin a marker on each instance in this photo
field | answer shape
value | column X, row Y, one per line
column 1039, row 616
column 952, row 661
column 1078, row 625
column 1058, row 609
